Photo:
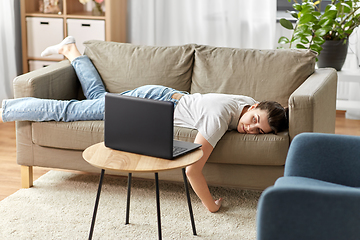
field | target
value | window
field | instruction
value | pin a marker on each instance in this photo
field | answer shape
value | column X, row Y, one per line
column 284, row 5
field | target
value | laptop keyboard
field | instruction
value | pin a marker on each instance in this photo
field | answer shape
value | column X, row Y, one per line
column 177, row 150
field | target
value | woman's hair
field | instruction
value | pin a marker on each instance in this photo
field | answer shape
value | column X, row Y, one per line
column 277, row 115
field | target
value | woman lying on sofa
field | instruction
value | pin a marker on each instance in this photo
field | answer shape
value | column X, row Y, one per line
column 211, row 114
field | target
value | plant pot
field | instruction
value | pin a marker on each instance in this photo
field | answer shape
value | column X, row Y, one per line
column 333, row 54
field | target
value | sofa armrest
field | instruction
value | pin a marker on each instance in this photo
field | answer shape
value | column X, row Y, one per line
column 57, row 81
column 312, row 106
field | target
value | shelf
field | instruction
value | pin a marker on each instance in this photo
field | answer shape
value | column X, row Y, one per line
column 114, row 19
column 44, row 15
column 45, row 59
column 77, row 15
column 87, row 15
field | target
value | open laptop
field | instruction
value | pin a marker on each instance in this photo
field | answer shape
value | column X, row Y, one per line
column 142, row 126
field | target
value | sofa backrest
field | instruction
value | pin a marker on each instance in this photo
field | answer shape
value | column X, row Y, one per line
column 124, row 66
column 260, row 74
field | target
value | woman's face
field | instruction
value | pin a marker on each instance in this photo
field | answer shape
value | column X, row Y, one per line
column 254, row 121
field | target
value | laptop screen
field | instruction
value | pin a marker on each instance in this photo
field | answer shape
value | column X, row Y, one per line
column 139, row 125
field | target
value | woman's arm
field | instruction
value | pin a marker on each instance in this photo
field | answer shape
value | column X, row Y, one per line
column 197, row 179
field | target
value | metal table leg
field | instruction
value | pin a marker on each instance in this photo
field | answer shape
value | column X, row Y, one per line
column 96, row 204
column 189, row 202
column 158, row 204
column 128, row 203
column 128, row 199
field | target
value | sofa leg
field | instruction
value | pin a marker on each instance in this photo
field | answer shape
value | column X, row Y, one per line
column 26, row 176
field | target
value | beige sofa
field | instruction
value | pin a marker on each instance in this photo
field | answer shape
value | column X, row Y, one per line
column 239, row 160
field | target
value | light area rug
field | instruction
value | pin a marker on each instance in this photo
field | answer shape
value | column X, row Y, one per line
column 60, row 206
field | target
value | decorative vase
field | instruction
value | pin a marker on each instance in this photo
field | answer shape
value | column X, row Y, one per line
column 97, row 10
column 333, row 54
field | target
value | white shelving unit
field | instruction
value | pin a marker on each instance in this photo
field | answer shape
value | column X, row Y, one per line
column 39, row 29
column 348, row 75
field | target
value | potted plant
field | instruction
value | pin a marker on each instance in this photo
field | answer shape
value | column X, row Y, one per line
column 325, row 32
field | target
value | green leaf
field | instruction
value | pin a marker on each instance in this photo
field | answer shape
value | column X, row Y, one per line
column 348, row 24
column 316, row 27
column 330, row 7
column 326, row 22
column 300, row 46
column 294, row 14
column 307, row 18
column 304, row 29
column 317, row 48
column 301, row 35
column 304, row 40
column 283, row 40
column 297, row 6
column 331, row 14
column 318, row 40
column 340, row 31
column 307, row 8
column 296, row 38
column 304, row 34
column 322, row 31
column 286, row 24
column 349, row 31
column 344, row 7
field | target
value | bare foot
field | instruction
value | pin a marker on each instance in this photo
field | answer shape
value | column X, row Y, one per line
column 1, row 115
column 217, row 205
column 70, row 51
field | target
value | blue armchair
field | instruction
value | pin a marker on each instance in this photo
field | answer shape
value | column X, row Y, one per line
column 319, row 195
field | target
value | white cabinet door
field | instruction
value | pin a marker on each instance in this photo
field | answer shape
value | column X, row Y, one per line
column 83, row 30
column 42, row 33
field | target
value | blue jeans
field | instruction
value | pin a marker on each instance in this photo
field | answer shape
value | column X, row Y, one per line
column 92, row 108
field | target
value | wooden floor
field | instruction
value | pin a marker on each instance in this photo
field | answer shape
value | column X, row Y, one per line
column 10, row 180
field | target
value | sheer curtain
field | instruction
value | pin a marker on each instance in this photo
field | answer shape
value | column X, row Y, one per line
column 230, row 23
column 10, row 46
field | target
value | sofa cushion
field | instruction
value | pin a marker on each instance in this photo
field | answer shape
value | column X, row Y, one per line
column 67, row 135
column 260, row 74
column 233, row 148
column 125, row 66
column 248, row 149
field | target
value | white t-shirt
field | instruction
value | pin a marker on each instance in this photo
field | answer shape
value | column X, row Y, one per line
column 212, row 114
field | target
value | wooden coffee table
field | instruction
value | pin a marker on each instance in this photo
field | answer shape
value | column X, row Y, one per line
column 106, row 158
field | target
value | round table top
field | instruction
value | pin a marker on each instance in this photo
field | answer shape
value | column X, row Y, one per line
column 106, row 158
